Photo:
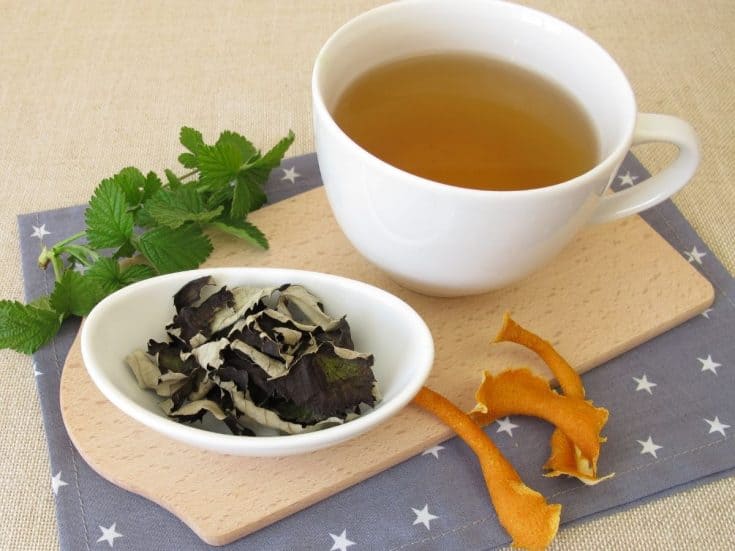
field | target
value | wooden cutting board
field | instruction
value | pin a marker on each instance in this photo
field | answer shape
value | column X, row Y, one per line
column 616, row 286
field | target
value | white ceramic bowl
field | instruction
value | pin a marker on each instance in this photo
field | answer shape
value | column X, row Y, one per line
column 381, row 324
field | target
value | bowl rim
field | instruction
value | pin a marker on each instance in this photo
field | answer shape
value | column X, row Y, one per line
column 259, row 445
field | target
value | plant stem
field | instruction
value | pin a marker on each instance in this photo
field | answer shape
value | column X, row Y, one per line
column 68, row 240
column 192, row 173
column 58, row 266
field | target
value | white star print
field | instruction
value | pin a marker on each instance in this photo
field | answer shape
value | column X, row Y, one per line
column 434, row 450
column 109, row 534
column 341, row 543
column 423, row 516
column 506, row 426
column 709, row 365
column 644, row 384
column 706, row 312
column 649, row 447
column 290, row 174
column 57, row 483
column 694, row 255
column 40, row 232
column 627, row 180
column 716, row 426
column 36, row 372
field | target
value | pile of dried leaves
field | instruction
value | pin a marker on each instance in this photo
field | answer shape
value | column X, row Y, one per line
column 254, row 358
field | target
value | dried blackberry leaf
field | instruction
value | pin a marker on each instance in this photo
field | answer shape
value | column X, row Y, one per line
column 269, row 418
column 144, row 369
column 200, row 319
column 209, row 354
column 304, row 307
column 193, row 408
column 274, row 368
column 329, row 381
column 190, row 294
column 244, row 299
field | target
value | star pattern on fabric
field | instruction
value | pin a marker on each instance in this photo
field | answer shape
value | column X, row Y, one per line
column 423, row 516
column 715, row 425
column 433, row 450
column 57, row 483
column 708, row 364
column 40, row 231
column 627, row 179
column 706, row 313
column 644, row 384
column 505, row 425
column 109, row 534
column 341, row 543
column 694, row 255
column 648, row 446
column 290, row 174
column 36, row 372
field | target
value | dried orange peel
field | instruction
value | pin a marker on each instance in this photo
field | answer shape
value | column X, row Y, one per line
column 565, row 458
column 520, row 392
column 523, row 512
column 568, row 379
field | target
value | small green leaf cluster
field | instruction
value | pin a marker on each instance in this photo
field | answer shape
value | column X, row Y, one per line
column 137, row 227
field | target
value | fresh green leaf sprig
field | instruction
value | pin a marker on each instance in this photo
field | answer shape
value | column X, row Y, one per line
column 137, row 227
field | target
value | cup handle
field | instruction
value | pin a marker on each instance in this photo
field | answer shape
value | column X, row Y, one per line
column 654, row 128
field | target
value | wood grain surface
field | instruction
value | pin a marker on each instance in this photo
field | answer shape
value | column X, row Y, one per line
column 616, row 286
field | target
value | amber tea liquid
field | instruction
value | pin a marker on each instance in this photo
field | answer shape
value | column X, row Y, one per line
column 469, row 121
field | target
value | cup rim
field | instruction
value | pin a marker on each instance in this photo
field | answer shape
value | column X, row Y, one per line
column 603, row 167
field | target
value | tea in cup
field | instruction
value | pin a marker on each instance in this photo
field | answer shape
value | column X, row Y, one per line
column 463, row 144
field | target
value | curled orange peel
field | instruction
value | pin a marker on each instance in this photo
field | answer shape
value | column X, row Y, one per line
column 568, row 379
column 520, row 392
column 565, row 458
column 523, row 512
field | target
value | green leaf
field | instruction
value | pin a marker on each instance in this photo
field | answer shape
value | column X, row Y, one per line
column 242, row 229
column 261, row 168
column 275, row 155
column 174, row 250
column 247, row 150
column 152, row 185
column 177, row 207
column 136, row 272
column 219, row 196
column 25, row 328
column 125, row 251
column 144, row 219
column 173, row 180
column 132, row 183
column 191, row 139
column 242, row 199
column 219, row 164
column 189, row 160
column 247, row 196
column 75, row 294
column 43, row 302
column 109, row 224
column 106, row 273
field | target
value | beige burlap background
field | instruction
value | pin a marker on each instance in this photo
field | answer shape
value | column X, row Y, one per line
column 89, row 87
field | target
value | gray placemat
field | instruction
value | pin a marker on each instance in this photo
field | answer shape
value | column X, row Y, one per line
column 671, row 403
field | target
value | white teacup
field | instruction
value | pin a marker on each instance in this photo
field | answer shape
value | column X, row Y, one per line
column 449, row 241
